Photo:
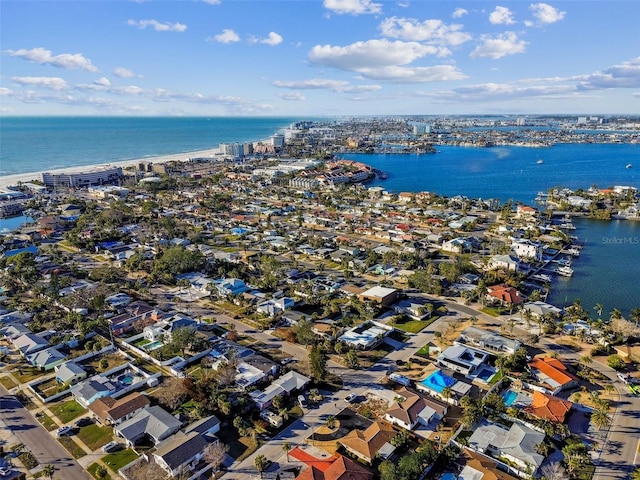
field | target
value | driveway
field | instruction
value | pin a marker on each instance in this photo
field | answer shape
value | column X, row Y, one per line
column 36, row 439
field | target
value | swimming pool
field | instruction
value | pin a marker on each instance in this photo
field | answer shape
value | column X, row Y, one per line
column 126, row 379
column 153, row 345
column 449, row 476
column 485, row 374
column 438, row 381
column 509, row 397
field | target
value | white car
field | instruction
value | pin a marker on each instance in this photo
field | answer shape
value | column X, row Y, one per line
column 62, row 431
column 623, row 377
column 351, row 398
column 302, row 401
column 111, row 447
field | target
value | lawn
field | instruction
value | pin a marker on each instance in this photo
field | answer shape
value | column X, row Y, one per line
column 92, row 469
column 67, row 411
column 239, row 447
column 26, row 374
column 73, row 448
column 493, row 311
column 185, row 408
column 413, row 326
column 424, row 351
column 117, row 460
column 46, row 421
column 8, row 383
column 369, row 358
column 95, row 436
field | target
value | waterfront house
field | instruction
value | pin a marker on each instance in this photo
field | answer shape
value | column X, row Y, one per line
column 504, row 295
column 506, row 262
column 540, row 309
column 526, row 249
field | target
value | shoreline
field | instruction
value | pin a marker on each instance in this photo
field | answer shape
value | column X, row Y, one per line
column 8, row 180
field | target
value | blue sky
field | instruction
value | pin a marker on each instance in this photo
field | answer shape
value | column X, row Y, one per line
column 318, row 57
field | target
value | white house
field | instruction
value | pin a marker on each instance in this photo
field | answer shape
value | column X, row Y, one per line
column 526, row 249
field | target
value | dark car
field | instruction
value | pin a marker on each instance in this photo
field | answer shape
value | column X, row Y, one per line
column 83, row 422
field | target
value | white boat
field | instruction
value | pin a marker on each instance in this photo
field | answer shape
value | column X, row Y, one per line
column 540, row 162
column 565, row 271
column 573, row 251
column 629, row 165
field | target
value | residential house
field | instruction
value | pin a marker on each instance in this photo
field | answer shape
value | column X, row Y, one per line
column 30, row 343
column 476, row 466
column 365, row 336
column 526, row 249
column 456, row 245
column 275, row 306
column 180, row 452
column 382, row 296
column 287, row 384
column 14, row 331
column 231, row 286
column 549, row 407
column 462, row 359
column 335, row 467
column 370, row 443
column 414, row 409
column 552, row 374
column 153, row 422
column 165, row 328
column 488, row 340
column 516, row 444
column 46, row 359
column 505, row 295
column 540, row 309
column 506, row 262
column 90, row 390
column 205, row 426
column 70, row 373
column 110, row 411
column 525, row 212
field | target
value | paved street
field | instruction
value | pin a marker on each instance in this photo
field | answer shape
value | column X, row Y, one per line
column 37, row 440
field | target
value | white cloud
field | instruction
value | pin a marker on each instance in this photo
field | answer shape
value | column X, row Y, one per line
column 42, row 56
column 401, row 74
column 102, row 81
column 353, row 7
column 432, row 31
column 500, row 46
column 273, row 39
column 53, row 83
column 5, row 91
column 340, row 86
column 124, row 73
column 291, row 96
column 227, row 36
column 545, row 13
column 501, row 16
column 369, row 54
column 212, row 2
column 459, row 12
column 625, row 75
column 158, row 26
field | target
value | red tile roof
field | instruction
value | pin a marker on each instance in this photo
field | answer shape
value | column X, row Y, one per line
column 553, row 368
column 549, row 407
column 335, row 467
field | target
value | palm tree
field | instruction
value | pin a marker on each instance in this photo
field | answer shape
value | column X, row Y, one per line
column 598, row 308
column 600, row 419
column 48, row 471
column 286, row 446
column 260, row 462
column 447, row 393
column 635, row 315
column 586, row 359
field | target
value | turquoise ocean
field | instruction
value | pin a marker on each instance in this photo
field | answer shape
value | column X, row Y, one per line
column 608, row 271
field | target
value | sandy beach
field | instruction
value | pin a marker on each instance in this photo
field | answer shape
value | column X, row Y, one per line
column 7, row 180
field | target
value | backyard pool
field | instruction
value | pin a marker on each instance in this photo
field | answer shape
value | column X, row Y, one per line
column 153, row 345
column 438, row 381
column 509, row 397
column 485, row 374
column 126, row 379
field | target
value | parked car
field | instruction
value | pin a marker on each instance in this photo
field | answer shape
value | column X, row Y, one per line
column 623, row 377
column 287, row 360
column 83, row 422
column 62, row 431
column 302, row 401
column 351, row 398
column 111, row 447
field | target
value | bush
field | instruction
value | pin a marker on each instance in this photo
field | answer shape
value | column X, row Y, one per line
column 616, row 362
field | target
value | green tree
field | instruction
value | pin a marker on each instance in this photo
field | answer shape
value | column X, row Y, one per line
column 616, row 362
column 352, row 360
column 576, row 456
column 317, row 363
column 286, row 447
column 304, row 331
column 183, row 338
column 388, row 471
column 260, row 462
column 48, row 471
column 600, row 418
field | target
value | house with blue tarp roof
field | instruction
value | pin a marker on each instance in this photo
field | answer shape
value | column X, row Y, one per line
column 30, row 249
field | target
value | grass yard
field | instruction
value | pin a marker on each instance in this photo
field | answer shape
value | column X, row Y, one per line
column 8, row 383
column 185, row 408
column 117, row 460
column 74, row 449
column 93, row 468
column 424, row 351
column 47, row 422
column 67, row 411
column 113, row 360
column 95, row 436
column 239, row 447
column 369, row 358
column 26, row 374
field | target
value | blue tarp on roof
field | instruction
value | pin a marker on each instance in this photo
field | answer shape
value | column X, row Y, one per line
column 31, row 249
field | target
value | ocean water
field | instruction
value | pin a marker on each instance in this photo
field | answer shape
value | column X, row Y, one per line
column 32, row 144
column 508, row 172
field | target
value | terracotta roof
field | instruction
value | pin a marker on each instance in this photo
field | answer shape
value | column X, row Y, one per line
column 320, row 464
column 553, row 368
column 505, row 293
column 484, row 465
column 549, row 407
column 336, row 468
column 368, row 442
